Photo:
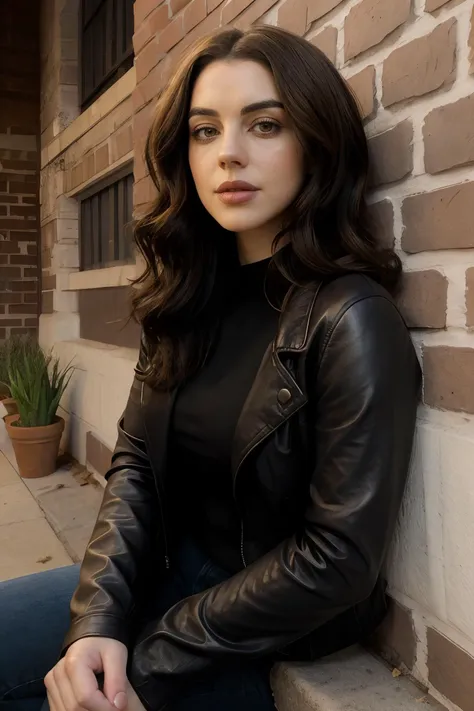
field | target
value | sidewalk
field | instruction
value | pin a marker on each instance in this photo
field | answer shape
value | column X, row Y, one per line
column 44, row 523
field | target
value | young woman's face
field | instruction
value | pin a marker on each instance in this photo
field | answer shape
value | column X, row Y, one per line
column 245, row 158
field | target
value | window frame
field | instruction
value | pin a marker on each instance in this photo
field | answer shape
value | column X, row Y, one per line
column 121, row 66
column 99, row 186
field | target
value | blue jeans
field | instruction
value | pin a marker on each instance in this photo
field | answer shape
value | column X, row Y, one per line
column 34, row 618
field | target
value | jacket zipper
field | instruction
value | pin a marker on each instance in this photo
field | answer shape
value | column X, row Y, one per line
column 158, row 494
column 242, row 527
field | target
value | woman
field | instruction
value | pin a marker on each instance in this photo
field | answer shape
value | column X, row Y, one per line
column 264, row 449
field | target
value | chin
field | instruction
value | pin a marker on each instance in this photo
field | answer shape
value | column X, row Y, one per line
column 239, row 222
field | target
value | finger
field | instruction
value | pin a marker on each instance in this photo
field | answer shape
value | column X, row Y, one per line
column 115, row 676
column 67, row 695
column 54, row 698
column 86, row 689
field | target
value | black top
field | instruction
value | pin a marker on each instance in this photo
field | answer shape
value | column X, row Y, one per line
column 205, row 417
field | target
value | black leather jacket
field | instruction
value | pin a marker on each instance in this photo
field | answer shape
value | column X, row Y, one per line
column 325, row 437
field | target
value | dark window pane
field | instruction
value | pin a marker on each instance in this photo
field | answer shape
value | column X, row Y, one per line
column 106, row 226
column 106, row 44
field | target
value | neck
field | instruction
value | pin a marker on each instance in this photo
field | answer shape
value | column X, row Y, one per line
column 255, row 245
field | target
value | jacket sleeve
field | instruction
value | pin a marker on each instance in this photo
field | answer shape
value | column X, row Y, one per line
column 103, row 601
column 364, row 391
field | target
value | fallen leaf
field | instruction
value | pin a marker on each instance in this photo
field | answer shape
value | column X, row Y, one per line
column 46, row 559
column 396, row 673
column 422, row 700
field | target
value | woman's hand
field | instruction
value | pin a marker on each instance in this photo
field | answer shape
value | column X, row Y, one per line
column 72, row 684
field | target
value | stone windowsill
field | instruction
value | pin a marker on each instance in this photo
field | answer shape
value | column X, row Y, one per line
column 102, row 278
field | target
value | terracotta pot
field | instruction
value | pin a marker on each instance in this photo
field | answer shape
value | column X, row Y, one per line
column 36, row 448
column 10, row 405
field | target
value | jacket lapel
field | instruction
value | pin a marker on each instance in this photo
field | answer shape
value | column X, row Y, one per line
column 275, row 394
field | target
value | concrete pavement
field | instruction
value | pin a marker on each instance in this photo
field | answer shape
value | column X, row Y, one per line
column 44, row 523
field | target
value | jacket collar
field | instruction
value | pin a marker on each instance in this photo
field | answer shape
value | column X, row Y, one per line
column 274, row 396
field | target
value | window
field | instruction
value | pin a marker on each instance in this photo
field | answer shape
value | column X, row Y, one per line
column 106, row 223
column 106, row 28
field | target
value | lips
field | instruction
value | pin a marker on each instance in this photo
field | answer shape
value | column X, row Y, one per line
column 236, row 192
column 234, row 186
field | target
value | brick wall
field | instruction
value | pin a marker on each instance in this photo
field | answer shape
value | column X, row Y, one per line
column 411, row 64
column 19, row 167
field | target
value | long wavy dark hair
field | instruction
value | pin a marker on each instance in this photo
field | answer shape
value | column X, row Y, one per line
column 190, row 258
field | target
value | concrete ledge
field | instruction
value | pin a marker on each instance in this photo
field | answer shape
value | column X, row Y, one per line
column 353, row 680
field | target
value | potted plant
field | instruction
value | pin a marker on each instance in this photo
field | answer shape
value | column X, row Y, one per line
column 37, row 384
column 10, row 351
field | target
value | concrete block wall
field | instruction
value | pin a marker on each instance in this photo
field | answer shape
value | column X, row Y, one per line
column 411, row 64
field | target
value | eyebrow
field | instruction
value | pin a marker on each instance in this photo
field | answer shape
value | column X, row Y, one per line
column 250, row 109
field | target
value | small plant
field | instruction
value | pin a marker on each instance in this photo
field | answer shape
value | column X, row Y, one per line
column 37, row 384
column 11, row 351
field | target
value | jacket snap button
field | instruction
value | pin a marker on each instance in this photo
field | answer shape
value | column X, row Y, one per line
column 284, row 396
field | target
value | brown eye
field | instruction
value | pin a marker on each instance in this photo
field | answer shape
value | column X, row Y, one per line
column 204, row 132
column 267, row 128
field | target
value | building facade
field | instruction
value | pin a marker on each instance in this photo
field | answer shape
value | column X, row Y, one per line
column 78, row 116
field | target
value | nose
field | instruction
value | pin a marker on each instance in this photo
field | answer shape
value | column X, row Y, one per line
column 232, row 153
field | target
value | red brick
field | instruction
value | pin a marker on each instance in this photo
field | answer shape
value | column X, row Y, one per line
column 449, row 136
column 24, row 210
column 8, row 322
column 15, row 224
column 145, row 92
column 326, row 41
column 48, row 282
column 423, row 299
column 19, row 165
column 30, row 298
column 171, row 35
column 22, row 188
column 30, row 272
column 147, row 59
column 254, row 13
column 3, row 333
column 47, row 305
column 293, row 16
column 213, row 4
column 421, row 66
column 362, row 85
column 10, row 273
column 9, row 247
column 26, row 200
column 470, row 297
column 8, row 199
column 23, row 285
column 391, row 155
column 233, row 9
column 441, row 219
column 177, row 5
column 3, row 186
column 3, row 210
column 2, row 309
column 319, row 8
column 32, row 249
column 8, row 298
column 24, row 260
column 16, row 309
column 431, row 5
column 381, row 215
column 142, row 8
column 449, row 378
column 194, row 14
column 23, row 236
column 370, row 21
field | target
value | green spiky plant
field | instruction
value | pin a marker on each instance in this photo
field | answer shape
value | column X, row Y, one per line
column 13, row 350
column 37, row 383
